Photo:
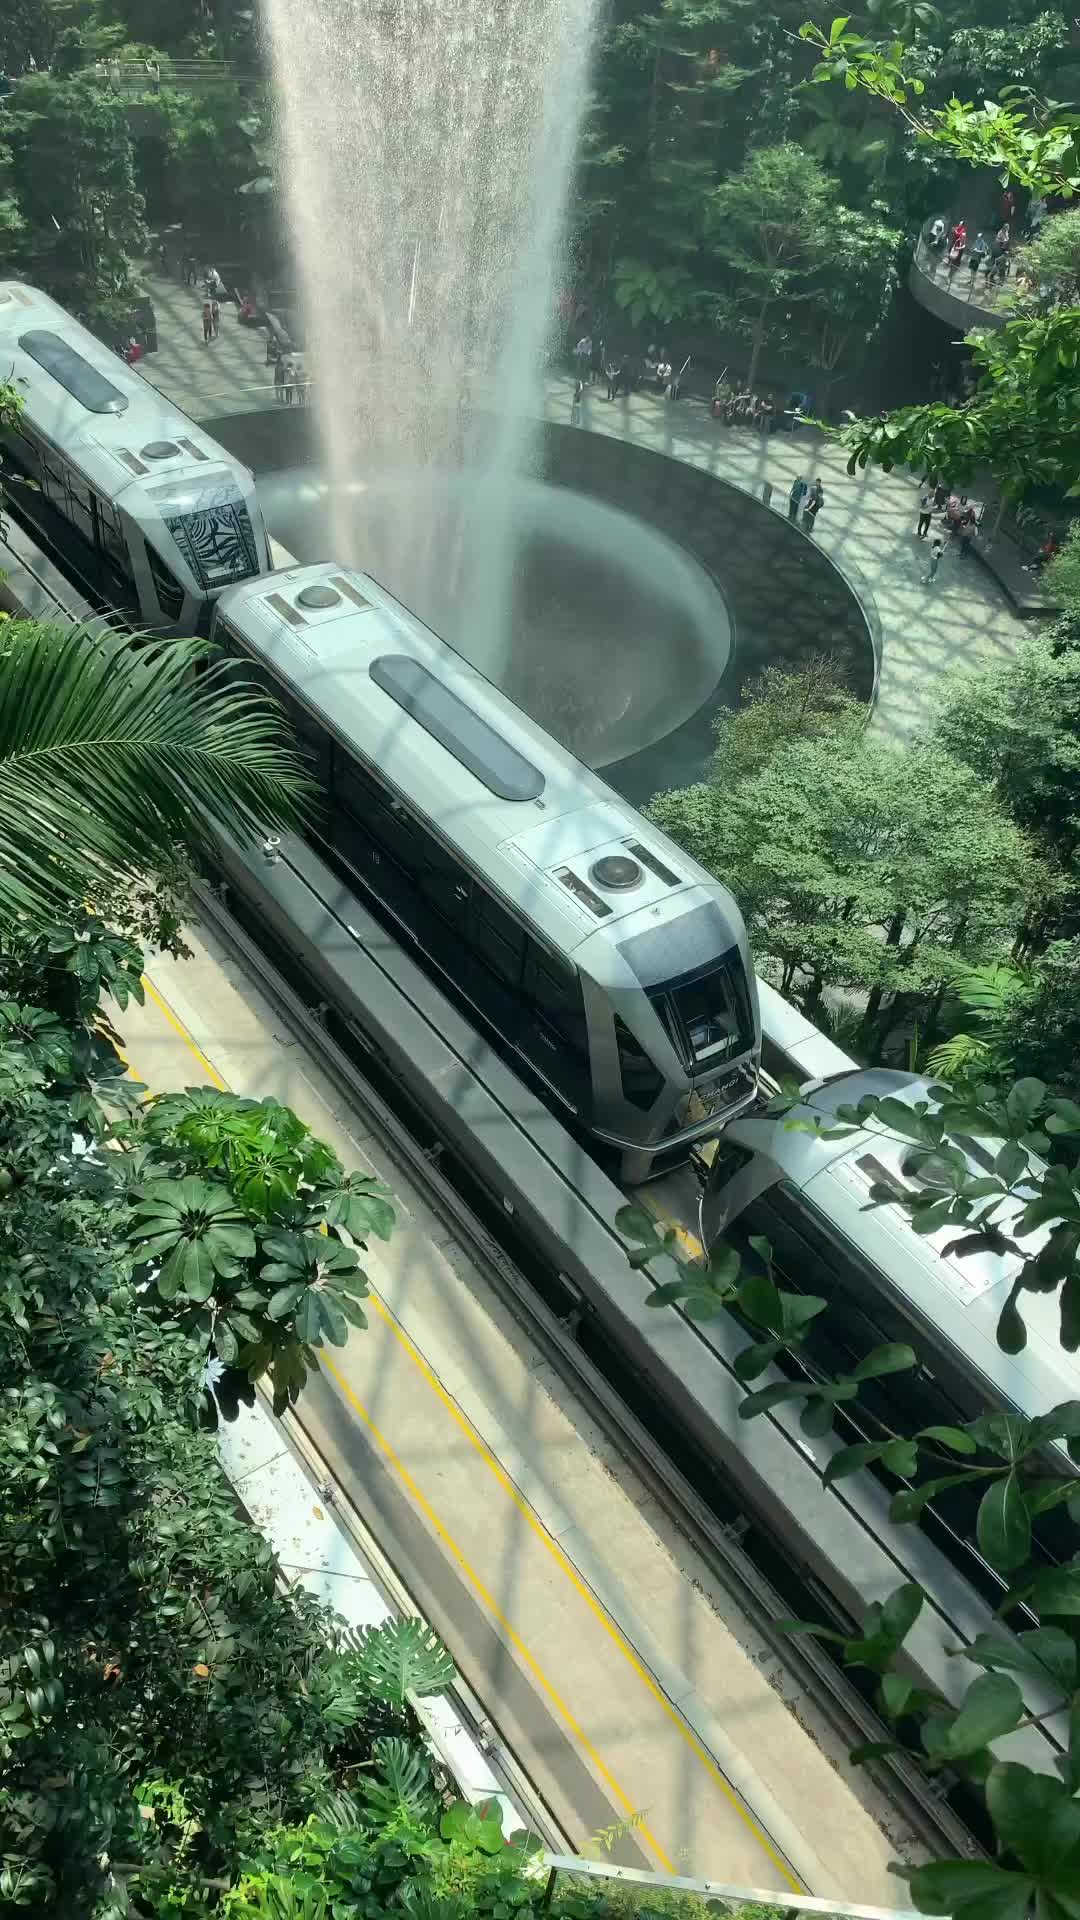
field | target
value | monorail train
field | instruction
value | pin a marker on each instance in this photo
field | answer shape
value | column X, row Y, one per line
column 143, row 506
column 810, row 1198
column 613, row 968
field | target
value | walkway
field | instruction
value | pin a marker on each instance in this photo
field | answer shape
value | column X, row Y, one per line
column 867, row 524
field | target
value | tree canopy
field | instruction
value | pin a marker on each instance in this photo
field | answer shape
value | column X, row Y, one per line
column 859, row 866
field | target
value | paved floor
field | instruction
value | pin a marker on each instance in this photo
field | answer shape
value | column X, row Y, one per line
column 867, row 524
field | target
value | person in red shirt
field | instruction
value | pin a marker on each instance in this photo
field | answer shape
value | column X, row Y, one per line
column 133, row 352
column 958, row 236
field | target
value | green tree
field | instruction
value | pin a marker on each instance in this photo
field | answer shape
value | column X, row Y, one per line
column 1063, row 573
column 1040, row 1029
column 1017, row 726
column 872, row 869
column 853, row 289
column 1021, row 424
column 769, row 228
column 1051, row 261
column 73, row 179
column 781, row 705
column 103, row 741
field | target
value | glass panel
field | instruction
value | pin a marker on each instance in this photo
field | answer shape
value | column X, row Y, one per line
column 496, row 937
column 80, row 379
column 708, row 1015
column 170, row 593
column 642, row 1081
column 454, row 725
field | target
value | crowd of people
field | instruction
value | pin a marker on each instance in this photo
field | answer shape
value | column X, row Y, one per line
column 989, row 254
column 945, row 516
column 650, row 372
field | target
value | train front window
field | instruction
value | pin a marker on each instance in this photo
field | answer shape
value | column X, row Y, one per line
column 706, row 1024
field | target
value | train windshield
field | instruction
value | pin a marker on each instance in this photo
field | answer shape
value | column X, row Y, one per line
column 708, row 1017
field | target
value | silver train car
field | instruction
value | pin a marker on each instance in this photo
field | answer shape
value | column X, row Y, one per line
column 793, row 1049
column 143, row 507
column 612, row 968
column 810, row 1198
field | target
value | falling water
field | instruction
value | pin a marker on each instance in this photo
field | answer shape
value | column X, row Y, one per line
column 428, row 146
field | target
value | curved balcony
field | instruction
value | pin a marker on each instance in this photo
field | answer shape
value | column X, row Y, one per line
column 963, row 299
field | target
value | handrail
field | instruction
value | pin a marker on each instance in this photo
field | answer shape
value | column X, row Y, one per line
column 973, row 290
column 790, row 1903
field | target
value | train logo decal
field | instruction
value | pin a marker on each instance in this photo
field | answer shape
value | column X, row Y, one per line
column 216, row 538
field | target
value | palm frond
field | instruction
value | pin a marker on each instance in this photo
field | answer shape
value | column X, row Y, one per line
column 963, row 1053
column 114, row 751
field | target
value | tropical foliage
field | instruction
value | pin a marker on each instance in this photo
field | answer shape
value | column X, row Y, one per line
column 104, row 739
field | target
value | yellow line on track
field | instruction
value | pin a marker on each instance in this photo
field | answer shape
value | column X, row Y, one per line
column 540, row 1532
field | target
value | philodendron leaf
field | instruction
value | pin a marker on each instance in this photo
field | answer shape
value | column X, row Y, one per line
column 1003, row 1524
column 993, row 1706
column 970, row 1889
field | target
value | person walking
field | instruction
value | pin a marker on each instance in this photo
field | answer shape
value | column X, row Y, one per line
column 613, row 376
column 937, row 548
column 575, row 404
column 663, row 371
column 279, row 377
column 215, row 318
column 815, row 500
column 207, row 323
column 582, row 355
column 795, row 498
column 926, row 508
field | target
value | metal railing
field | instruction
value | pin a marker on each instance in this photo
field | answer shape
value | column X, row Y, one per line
column 136, row 77
column 710, row 1892
column 973, row 288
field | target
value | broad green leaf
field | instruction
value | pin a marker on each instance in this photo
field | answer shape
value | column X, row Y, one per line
column 753, row 1360
column 284, row 1300
column 759, row 1299
column 893, row 1358
column 1011, row 1163
column 1056, row 1591
column 993, row 1706
column 196, row 1269
column 901, row 1610
column 954, row 1438
column 896, row 1692
column 771, row 1396
column 334, row 1325
column 817, row 1416
column 798, row 1309
column 1024, row 1099
column 970, row 1889
column 849, row 1460
column 1003, row 1525
column 1045, row 1654
column 908, row 1505
column 1035, row 1819
column 636, row 1223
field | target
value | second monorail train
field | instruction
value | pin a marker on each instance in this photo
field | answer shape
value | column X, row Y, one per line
column 611, row 966
column 144, row 508
column 810, row 1198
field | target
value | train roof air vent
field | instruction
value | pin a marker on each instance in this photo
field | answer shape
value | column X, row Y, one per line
column 159, row 450
column 616, row 873
column 318, row 596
